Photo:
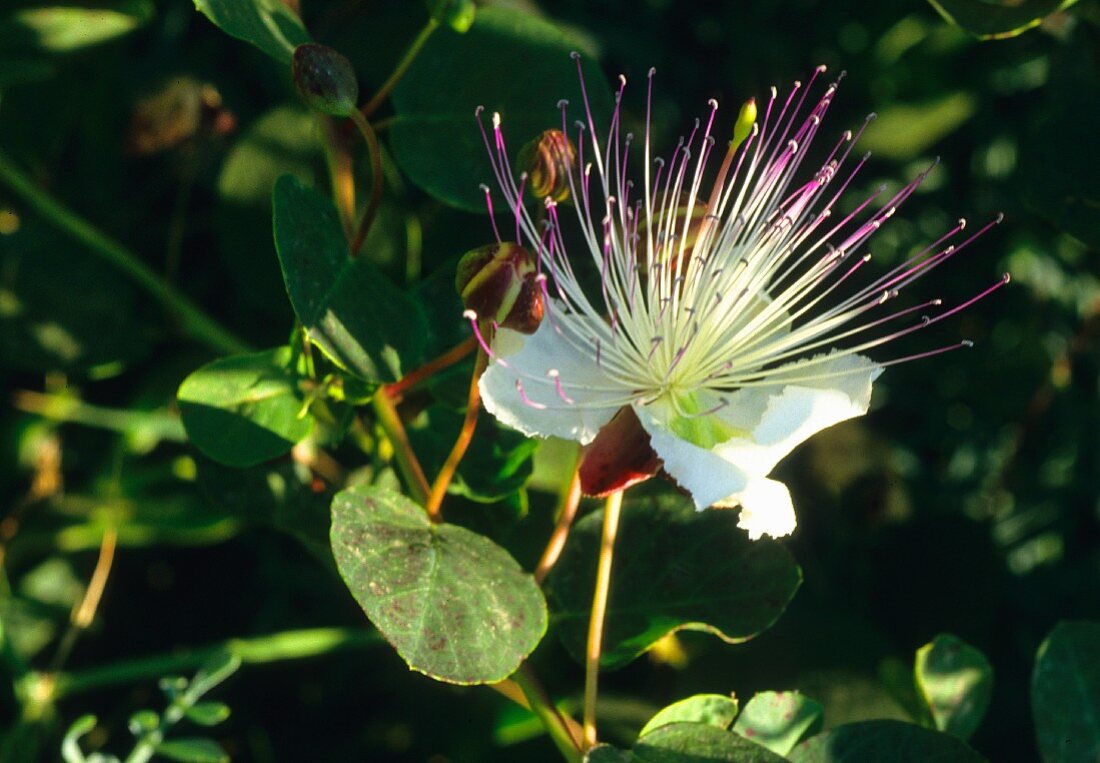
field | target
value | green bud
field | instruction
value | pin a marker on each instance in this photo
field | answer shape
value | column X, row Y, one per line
column 325, row 79
column 745, row 120
column 457, row 14
column 498, row 283
column 547, row 160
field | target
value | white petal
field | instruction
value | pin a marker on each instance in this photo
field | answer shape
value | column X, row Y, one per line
column 782, row 416
column 705, row 475
column 766, row 509
column 593, row 398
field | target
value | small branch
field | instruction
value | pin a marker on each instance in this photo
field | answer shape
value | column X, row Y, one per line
column 192, row 319
column 432, row 367
column 553, row 721
column 165, row 425
column 599, row 611
column 567, row 512
column 341, row 178
column 84, row 613
column 375, row 154
column 402, row 66
column 462, row 442
column 288, row 645
column 407, row 462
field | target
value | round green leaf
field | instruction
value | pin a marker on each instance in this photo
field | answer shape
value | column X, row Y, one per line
column 270, row 25
column 778, row 719
column 1065, row 693
column 696, row 743
column 245, row 409
column 675, row 568
column 435, row 138
column 714, row 709
column 955, row 680
column 456, row 606
column 362, row 321
column 996, row 20
column 883, row 742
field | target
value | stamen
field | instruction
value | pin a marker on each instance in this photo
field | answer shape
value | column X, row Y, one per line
column 526, row 400
column 553, row 374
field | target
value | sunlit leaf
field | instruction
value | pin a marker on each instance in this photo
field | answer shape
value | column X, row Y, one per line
column 906, row 131
column 778, row 720
column 64, row 28
column 270, row 25
column 455, row 605
column 955, row 681
column 715, row 709
column 193, row 751
column 698, row 742
column 245, row 409
column 362, row 321
column 675, row 568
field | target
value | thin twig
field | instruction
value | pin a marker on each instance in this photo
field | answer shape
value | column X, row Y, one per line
column 557, row 725
column 84, row 612
column 399, row 71
column 407, row 461
column 567, row 512
column 375, row 154
column 599, row 612
column 432, row 367
column 340, row 174
column 462, row 442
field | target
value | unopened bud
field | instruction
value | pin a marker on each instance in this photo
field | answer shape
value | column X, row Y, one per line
column 548, row 160
column 459, row 15
column 326, row 79
column 498, row 282
column 746, row 118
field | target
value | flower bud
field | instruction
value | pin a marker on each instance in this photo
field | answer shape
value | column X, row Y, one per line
column 325, row 79
column 498, row 283
column 547, row 160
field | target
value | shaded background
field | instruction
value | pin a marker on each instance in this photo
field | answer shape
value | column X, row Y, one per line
column 966, row 502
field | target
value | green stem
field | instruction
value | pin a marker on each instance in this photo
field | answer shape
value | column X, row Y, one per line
column 192, row 319
column 157, row 423
column 599, row 612
column 340, row 174
column 402, row 66
column 407, row 461
column 375, row 154
column 545, row 711
column 288, row 645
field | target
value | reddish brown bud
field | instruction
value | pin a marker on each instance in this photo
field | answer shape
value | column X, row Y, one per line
column 498, row 283
column 547, row 160
column 619, row 457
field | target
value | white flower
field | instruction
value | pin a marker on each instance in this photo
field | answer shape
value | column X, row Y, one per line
column 734, row 332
